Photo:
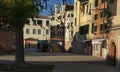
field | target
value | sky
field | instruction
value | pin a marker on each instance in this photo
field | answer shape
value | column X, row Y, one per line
column 51, row 3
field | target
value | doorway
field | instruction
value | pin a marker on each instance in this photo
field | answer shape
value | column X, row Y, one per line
column 113, row 53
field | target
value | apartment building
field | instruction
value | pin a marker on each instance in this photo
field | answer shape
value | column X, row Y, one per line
column 83, row 30
column 114, row 34
column 36, row 30
column 62, row 25
column 100, row 30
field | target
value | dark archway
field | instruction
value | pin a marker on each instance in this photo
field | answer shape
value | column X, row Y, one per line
column 113, row 45
column 112, row 53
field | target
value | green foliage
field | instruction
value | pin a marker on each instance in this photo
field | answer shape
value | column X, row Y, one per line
column 20, row 10
column 17, row 11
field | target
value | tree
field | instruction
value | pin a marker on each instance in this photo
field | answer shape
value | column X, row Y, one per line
column 15, row 13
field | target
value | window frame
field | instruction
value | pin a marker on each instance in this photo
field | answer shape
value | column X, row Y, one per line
column 96, row 3
column 47, row 32
column 34, row 31
column 39, row 31
column 27, row 31
column 47, row 22
column 39, row 22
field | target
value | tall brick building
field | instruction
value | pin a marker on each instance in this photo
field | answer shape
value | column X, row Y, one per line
column 100, row 39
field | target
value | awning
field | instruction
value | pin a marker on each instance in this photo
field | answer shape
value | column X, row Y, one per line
column 95, row 41
column 41, row 41
column 32, row 39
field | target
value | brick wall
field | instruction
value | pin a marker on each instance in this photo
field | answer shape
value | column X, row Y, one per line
column 7, row 40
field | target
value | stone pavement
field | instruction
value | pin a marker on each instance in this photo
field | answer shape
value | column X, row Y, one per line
column 66, row 62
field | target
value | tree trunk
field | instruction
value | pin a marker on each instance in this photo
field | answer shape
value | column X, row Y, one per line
column 19, row 58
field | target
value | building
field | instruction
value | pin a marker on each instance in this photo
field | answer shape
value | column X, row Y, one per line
column 62, row 25
column 83, row 20
column 36, row 30
column 75, row 43
column 100, row 40
column 114, row 34
column 76, row 16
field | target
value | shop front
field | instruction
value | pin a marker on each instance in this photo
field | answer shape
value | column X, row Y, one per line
column 99, row 48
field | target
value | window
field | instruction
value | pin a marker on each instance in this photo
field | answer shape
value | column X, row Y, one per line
column 47, row 32
column 68, row 15
column 101, row 14
column 27, row 31
column 59, row 17
column 71, row 33
column 34, row 31
column 96, row 16
column 107, row 26
column 34, row 22
column 39, row 22
column 68, row 25
column 103, row 1
column 39, row 31
column 47, row 23
column 87, row 9
column 102, row 27
column 81, row 30
column 105, row 13
column 28, row 22
column 71, row 24
column 63, row 16
column 96, row 3
column 95, row 29
column 84, row 29
column 72, row 15
column 114, row 7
